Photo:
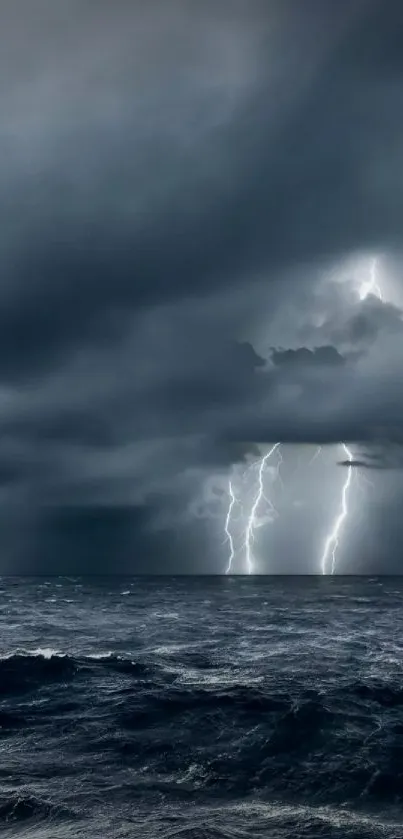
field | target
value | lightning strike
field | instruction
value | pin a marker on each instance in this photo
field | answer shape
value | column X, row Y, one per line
column 252, row 522
column 332, row 541
column 227, row 528
column 249, row 534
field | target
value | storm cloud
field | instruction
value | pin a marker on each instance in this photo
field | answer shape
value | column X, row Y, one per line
column 181, row 190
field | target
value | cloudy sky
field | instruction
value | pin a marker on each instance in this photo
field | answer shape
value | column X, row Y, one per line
column 193, row 197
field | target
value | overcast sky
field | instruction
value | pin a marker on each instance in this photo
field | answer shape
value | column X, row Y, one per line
column 192, row 197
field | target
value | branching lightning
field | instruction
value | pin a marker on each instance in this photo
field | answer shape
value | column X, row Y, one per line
column 250, row 528
column 252, row 522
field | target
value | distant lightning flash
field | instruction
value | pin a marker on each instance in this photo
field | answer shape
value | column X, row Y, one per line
column 249, row 534
column 372, row 286
column 315, row 456
column 332, row 541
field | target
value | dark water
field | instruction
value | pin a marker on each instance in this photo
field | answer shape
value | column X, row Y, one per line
column 201, row 708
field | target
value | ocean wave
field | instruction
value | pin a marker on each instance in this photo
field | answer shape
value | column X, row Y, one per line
column 23, row 807
column 20, row 672
column 23, row 670
column 279, row 819
column 196, row 679
column 40, row 652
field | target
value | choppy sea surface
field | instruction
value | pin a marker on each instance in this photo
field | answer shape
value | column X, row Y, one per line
column 200, row 707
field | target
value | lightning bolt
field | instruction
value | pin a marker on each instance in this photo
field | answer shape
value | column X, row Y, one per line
column 252, row 520
column 228, row 534
column 332, row 541
column 250, row 528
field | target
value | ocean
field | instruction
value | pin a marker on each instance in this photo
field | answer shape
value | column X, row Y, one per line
column 217, row 708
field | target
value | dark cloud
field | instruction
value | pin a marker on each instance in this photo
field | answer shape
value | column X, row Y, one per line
column 354, row 463
column 318, row 357
column 366, row 324
column 206, row 214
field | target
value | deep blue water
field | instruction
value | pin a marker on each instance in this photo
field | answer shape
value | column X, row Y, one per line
column 193, row 707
